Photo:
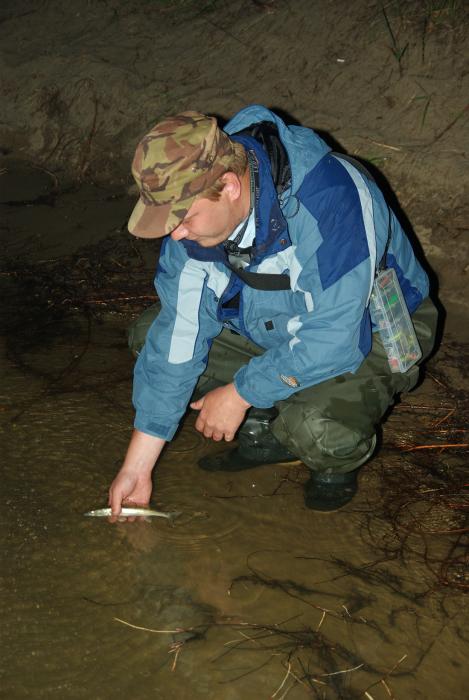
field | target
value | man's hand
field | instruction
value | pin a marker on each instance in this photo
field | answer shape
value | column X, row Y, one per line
column 221, row 413
column 129, row 488
column 133, row 483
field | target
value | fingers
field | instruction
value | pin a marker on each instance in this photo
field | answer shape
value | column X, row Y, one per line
column 200, row 425
column 115, row 501
column 213, row 426
column 197, row 405
column 212, row 432
column 123, row 501
column 129, row 502
column 206, row 429
column 127, row 518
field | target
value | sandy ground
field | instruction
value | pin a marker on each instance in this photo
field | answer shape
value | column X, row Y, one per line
column 80, row 83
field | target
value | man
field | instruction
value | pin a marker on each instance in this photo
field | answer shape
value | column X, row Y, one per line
column 271, row 244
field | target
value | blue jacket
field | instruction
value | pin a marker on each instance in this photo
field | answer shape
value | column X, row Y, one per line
column 328, row 232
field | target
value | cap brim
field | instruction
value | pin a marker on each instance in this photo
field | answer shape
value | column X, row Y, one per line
column 154, row 221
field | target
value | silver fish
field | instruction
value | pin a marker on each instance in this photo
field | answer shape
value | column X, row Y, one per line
column 130, row 511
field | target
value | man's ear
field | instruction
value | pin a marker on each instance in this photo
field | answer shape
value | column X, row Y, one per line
column 232, row 187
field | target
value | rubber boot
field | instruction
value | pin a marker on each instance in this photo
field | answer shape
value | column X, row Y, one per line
column 256, row 446
column 328, row 492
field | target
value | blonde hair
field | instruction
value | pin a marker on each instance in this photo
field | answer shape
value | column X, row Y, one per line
column 237, row 166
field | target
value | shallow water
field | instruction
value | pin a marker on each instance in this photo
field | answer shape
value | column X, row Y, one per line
column 249, row 595
column 244, row 557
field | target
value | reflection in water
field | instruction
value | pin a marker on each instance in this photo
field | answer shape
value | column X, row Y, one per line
column 251, row 595
column 188, row 440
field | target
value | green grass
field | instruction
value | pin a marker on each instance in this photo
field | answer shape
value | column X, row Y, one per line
column 398, row 50
column 426, row 99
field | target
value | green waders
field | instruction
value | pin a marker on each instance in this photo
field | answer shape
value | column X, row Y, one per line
column 331, row 426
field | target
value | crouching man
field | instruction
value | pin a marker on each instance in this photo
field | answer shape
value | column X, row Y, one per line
column 271, row 245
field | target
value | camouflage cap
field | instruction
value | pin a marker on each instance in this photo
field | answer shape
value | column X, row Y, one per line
column 177, row 160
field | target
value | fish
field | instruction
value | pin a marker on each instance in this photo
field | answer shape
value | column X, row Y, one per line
column 133, row 511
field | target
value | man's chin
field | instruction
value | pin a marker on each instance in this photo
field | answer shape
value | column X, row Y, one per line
column 207, row 243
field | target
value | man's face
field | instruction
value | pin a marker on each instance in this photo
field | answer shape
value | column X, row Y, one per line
column 207, row 222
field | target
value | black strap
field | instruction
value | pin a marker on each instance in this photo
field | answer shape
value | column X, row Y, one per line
column 262, row 280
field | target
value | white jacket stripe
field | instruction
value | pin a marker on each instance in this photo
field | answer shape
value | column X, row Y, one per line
column 186, row 326
column 366, row 203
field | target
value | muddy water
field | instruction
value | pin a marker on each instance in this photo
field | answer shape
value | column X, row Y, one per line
column 249, row 595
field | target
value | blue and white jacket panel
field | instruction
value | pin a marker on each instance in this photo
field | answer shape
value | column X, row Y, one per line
column 177, row 344
column 328, row 234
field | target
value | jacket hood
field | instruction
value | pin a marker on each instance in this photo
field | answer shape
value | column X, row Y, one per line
column 304, row 148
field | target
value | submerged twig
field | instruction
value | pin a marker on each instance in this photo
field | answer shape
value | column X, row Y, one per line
column 346, row 670
column 283, row 682
column 149, row 629
column 436, row 447
column 386, row 676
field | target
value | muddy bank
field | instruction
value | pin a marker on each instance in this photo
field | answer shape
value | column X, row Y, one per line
column 81, row 83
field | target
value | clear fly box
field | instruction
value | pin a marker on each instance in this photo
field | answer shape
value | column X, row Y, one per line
column 390, row 315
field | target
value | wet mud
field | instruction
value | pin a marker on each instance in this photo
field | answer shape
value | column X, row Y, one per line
column 249, row 594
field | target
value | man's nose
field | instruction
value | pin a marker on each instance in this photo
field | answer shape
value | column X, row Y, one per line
column 178, row 233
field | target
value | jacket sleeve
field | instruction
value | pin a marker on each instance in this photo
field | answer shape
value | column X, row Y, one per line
column 177, row 344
